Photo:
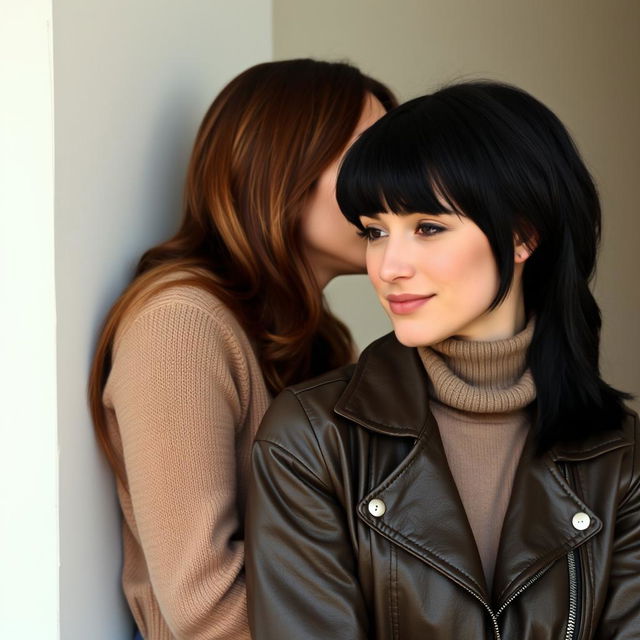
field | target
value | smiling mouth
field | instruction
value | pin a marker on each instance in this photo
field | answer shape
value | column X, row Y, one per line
column 406, row 303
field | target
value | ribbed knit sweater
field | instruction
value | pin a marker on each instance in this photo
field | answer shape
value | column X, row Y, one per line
column 184, row 399
column 479, row 391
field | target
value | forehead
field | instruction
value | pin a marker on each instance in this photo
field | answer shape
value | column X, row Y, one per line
column 372, row 111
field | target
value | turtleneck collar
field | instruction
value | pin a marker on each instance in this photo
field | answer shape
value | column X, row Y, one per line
column 481, row 377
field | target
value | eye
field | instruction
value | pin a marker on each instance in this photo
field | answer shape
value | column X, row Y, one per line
column 429, row 229
column 371, row 233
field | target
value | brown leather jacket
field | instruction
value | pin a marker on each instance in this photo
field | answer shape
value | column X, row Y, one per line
column 356, row 529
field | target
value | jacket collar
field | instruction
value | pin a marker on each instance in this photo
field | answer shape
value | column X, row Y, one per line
column 388, row 390
column 590, row 447
column 388, row 394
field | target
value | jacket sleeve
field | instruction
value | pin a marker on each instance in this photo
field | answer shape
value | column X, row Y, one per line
column 301, row 570
column 620, row 618
column 175, row 394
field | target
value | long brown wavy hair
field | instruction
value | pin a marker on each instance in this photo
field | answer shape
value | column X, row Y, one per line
column 257, row 157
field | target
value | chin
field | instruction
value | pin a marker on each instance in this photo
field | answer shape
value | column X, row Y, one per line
column 414, row 334
column 412, row 338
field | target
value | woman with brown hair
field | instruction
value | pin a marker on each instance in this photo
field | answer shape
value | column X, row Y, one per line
column 218, row 319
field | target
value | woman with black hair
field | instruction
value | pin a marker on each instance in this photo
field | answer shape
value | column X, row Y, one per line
column 472, row 476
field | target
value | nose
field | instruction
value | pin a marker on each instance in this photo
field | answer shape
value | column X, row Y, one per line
column 396, row 262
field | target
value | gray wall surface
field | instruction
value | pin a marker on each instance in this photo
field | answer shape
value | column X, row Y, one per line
column 132, row 80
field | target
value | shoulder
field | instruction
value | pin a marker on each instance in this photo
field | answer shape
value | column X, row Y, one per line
column 301, row 426
column 172, row 293
column 631, row 432
column 181, row 340
column 629, row 435
column 387, row 379
column 304, row 408
column 183, row 331
column 631, row 425
column 173, row 309
column 625, row 441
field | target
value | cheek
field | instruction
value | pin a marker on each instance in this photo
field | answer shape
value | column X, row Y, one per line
column 327, row 224
column 470, row 268
column 373, row 266
column 322, row 218
column 326, row 190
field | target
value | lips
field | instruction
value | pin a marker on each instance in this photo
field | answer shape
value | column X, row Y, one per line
column 406, row 303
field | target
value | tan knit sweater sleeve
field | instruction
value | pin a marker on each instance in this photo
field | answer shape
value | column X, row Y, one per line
column 179, row 388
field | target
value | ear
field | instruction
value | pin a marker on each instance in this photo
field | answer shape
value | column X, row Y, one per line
column 522, row 250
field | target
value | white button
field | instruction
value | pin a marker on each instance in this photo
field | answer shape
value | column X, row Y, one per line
column 581, row 521
column 377, row 507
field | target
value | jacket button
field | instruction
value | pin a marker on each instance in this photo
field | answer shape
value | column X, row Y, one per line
column 377, row 507
column 581, row 521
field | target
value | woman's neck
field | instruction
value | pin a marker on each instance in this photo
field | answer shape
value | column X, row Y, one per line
column 481, row 376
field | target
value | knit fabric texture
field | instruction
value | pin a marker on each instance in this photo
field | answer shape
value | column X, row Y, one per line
column 479, row 392
column 482, row 377
column 183, row 400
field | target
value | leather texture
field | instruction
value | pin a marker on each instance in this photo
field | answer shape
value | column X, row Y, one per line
column 320, row 565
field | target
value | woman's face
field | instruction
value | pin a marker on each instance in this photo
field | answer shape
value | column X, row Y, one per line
column 333, row 245
column 436, row 276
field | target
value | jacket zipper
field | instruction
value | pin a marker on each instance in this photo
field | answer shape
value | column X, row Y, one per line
column 573, row 562
column 573, row 596
column 526, row 585
column 494, row 616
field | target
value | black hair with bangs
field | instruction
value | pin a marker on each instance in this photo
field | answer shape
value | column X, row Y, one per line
column 493, row 153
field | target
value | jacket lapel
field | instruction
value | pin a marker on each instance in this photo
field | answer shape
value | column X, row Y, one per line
column 425, row 516
column 538, row 526
column 424, row 513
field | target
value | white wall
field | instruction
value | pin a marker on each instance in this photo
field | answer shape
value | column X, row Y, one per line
column 121, row 87
column 132, row 81
column 28, row 456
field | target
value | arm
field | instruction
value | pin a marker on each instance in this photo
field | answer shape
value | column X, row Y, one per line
column 621, row 615
column 175, row 395
column 301, row 572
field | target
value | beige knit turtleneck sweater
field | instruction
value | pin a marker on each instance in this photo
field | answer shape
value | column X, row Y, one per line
column 479, row 391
